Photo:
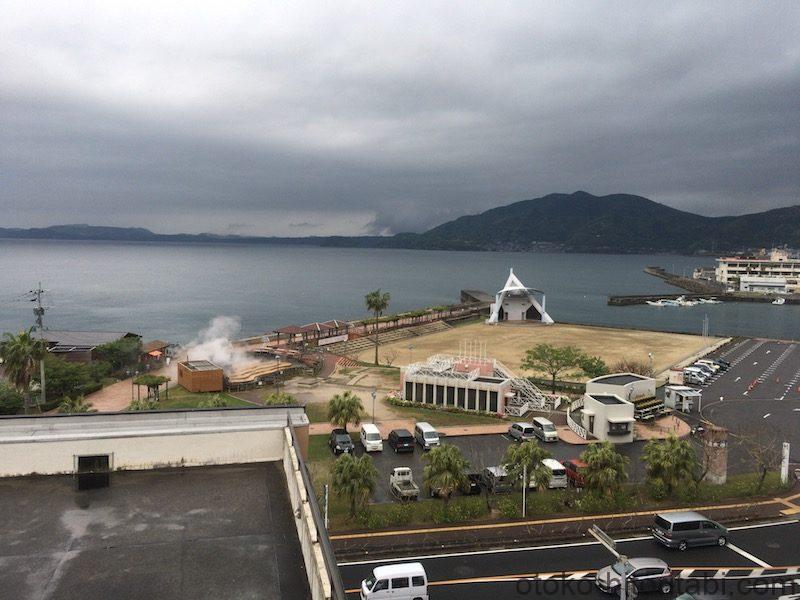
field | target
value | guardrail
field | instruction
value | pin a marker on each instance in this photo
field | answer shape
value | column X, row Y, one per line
column 323, row 573
column 573, row 424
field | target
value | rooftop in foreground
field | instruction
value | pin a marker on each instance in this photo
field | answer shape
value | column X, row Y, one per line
column 200, row 365
column 202, row 532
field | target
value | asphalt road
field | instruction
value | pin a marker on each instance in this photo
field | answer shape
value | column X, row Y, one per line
column 568, row 568
column 762, row 388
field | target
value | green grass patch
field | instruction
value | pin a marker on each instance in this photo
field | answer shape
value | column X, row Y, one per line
column 179, row 397
column 443, row 418
column 317, row 412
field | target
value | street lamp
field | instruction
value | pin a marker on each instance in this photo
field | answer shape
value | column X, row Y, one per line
column 411, row 354
column 374, row 393
column 652, row 371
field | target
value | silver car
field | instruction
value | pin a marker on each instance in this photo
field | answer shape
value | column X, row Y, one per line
column 521, row 432
column 642, row 575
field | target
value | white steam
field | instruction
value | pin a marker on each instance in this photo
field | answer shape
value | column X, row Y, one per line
column 214, row 343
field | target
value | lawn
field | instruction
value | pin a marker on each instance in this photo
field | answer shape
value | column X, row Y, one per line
column 441, row 418
column 179, row 397
column 317, row 412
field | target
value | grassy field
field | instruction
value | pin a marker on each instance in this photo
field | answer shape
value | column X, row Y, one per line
column 441, row 418
column 508, row 343
column 181, row 398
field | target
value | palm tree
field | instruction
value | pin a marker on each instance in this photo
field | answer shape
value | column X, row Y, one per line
column 445, row 470
column 671, row 461
column 605, row 468
column 78, row 405
column 377, row 302
column 354, row 479
column 20, row 353
column 523, row 464
column 345, row 408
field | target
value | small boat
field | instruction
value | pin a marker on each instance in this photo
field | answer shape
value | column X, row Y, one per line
column 779, row 301
column 655, row 302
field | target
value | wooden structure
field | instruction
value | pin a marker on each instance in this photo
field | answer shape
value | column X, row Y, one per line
column 200, row 376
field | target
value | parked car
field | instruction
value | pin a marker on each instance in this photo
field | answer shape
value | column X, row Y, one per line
column 401, row 440
column 642, row 574
column 402, row 484
column 683, row 530
column 401, row 581
column 723, row 363
column 544, row 429
column 558, row 474
column 576, row 470
column 471, row 486
column 496, row 480
column 708, row 371
column 426, row 436
column 340, row 442
column 710, row 364
column 370, row 437
column 521, row 432
column 696, row 375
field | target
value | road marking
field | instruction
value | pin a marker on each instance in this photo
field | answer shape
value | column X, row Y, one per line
column 546, row 546
column 737, row 379
column 681, row 573
column 749, row 556
column 764, row 417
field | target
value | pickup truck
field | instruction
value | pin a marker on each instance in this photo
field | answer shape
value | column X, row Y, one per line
column 401, row 484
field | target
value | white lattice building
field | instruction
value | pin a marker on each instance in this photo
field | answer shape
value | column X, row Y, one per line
column 470, row 381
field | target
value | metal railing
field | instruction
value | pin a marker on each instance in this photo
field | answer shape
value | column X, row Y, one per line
column 573, row 424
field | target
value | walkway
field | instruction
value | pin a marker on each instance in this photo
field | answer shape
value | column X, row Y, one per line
column 117, row 396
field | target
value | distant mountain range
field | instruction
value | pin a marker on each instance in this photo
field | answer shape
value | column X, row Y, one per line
column 579, row 222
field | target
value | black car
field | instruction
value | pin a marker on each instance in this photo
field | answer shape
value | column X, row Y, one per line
column 472, row 486
column 340, row 441
column 401, row 440
column 722, row 363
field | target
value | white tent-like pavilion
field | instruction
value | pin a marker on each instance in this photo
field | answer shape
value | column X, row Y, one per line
column 516, row 302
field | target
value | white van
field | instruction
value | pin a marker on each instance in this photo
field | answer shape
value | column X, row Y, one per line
column 371, row 438
column 558, row 474
column 545, row 430
column 696, row 373
column 403, row 581
column 426, row 435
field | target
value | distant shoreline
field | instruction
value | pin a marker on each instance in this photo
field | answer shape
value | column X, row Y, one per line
column 317, row 242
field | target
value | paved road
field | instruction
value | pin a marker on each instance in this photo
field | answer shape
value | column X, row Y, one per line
column 762, row 387
column 497, row 573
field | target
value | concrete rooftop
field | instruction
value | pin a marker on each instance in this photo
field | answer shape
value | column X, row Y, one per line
column 195, row 533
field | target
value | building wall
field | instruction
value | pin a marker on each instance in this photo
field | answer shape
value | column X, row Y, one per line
column 200, row 381
column 144, row 452
column 602, row 412
column 515, row 308
column 458, row 393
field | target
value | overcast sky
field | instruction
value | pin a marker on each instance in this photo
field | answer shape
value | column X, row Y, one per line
column 350, row 118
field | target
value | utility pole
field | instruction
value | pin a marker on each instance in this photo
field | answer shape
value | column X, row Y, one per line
column 38, row 312
column 524, row 489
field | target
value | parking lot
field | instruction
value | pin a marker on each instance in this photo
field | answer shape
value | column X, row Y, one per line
column 762, row 387
column 480, row 451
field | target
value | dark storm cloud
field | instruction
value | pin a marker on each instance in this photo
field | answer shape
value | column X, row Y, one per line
column 382, row 118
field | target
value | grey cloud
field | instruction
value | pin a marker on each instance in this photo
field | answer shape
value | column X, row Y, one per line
column 391, row 117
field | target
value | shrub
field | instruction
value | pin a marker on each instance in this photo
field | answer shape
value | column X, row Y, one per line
column 143, row 404
column 509, row 508
column 215, row 401
column 11, row 401
column 657, row 489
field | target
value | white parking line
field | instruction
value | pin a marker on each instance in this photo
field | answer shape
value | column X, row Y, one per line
column 749, row 556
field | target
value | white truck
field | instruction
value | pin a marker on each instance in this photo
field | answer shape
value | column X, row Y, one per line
column 682, row 398
column 402, row 486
